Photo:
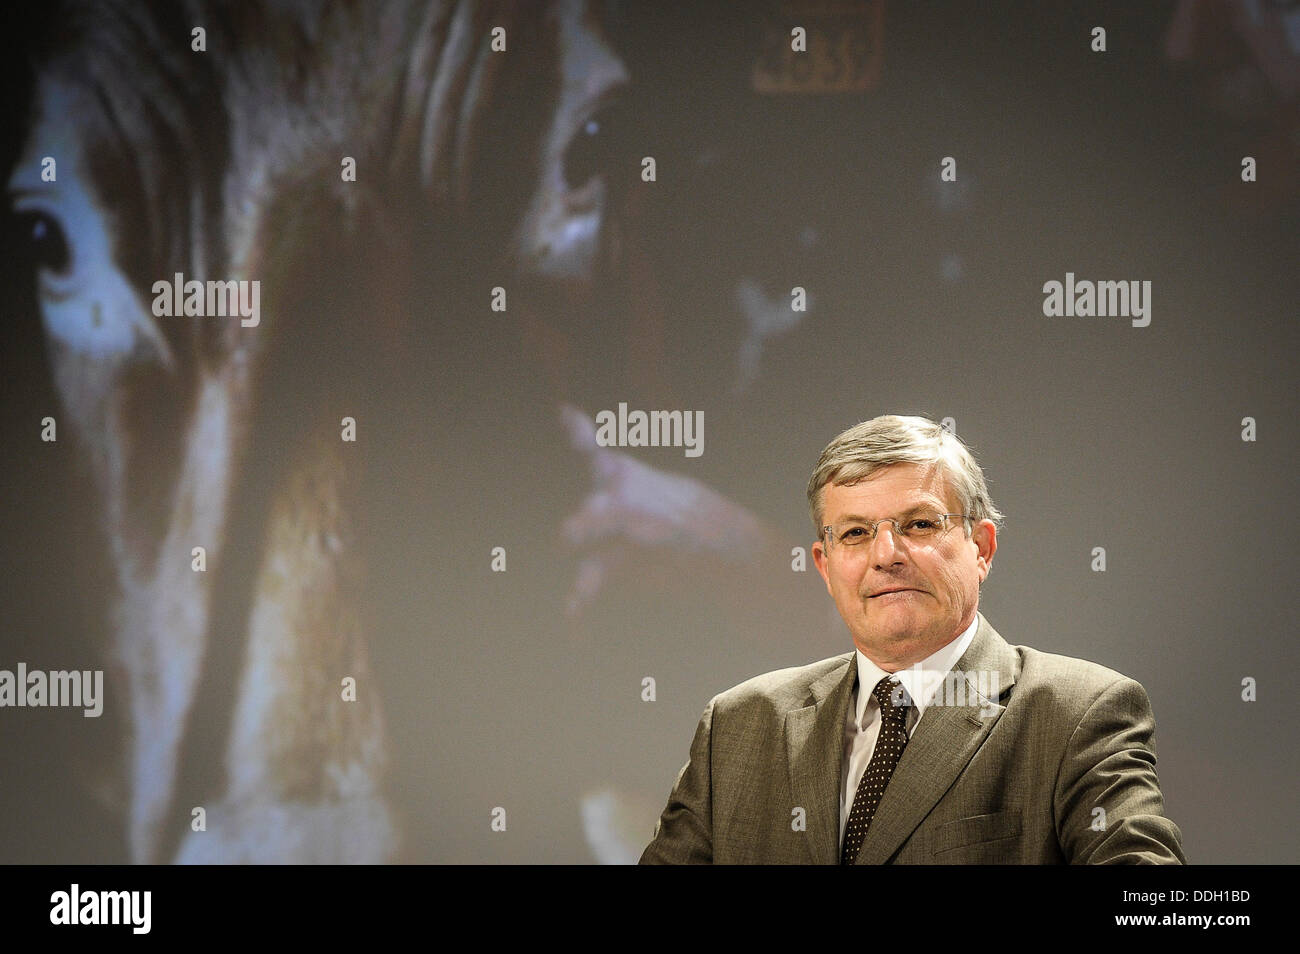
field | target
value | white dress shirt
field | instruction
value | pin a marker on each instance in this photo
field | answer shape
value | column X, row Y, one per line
column 862, row 724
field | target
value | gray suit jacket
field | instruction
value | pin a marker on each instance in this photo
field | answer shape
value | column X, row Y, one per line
column 1016, row 780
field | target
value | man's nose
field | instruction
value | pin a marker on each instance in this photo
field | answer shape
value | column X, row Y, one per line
column 885, row 547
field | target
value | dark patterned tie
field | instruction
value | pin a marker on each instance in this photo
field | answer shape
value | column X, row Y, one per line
column 884, row 758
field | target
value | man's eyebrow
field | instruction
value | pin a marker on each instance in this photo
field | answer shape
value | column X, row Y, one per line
column 910, row 511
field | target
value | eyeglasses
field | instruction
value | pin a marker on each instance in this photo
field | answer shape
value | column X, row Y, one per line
column 918, row 525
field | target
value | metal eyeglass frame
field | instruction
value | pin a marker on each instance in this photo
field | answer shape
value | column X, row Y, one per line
column 831, row 542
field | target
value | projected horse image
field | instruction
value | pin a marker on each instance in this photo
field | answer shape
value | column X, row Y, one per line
column 236, row 630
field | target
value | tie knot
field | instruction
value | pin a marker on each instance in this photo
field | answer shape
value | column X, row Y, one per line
column 892, row 696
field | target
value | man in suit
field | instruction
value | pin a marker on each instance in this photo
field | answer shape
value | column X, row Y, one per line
column 934, row 741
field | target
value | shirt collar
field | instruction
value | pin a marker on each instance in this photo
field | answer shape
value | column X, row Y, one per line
column 920, row 679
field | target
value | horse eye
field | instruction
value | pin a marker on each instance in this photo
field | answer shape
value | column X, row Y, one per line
column 592, row 149
column 44, row 242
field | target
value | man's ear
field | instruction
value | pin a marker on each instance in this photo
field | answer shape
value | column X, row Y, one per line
column 819, row 558
column 985, row 538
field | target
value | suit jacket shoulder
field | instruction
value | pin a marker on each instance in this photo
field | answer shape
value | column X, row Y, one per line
column 782, row 689
column 1063, row 689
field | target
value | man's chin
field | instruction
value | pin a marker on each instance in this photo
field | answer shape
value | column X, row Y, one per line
column 895, row 612
column 895, row 628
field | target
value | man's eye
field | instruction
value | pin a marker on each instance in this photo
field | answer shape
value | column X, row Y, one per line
column 44, row 243
column 853, row 532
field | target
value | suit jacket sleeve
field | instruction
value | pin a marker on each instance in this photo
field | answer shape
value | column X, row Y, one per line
column 684, row 833
column 1110, row 763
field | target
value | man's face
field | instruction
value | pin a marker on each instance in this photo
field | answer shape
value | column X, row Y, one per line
column 942, row 573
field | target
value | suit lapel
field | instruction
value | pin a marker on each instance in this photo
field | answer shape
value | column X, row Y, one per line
column 944, row 741
column 814, row 739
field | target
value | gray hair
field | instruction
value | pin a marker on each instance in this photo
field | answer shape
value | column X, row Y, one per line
column 864, row 449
